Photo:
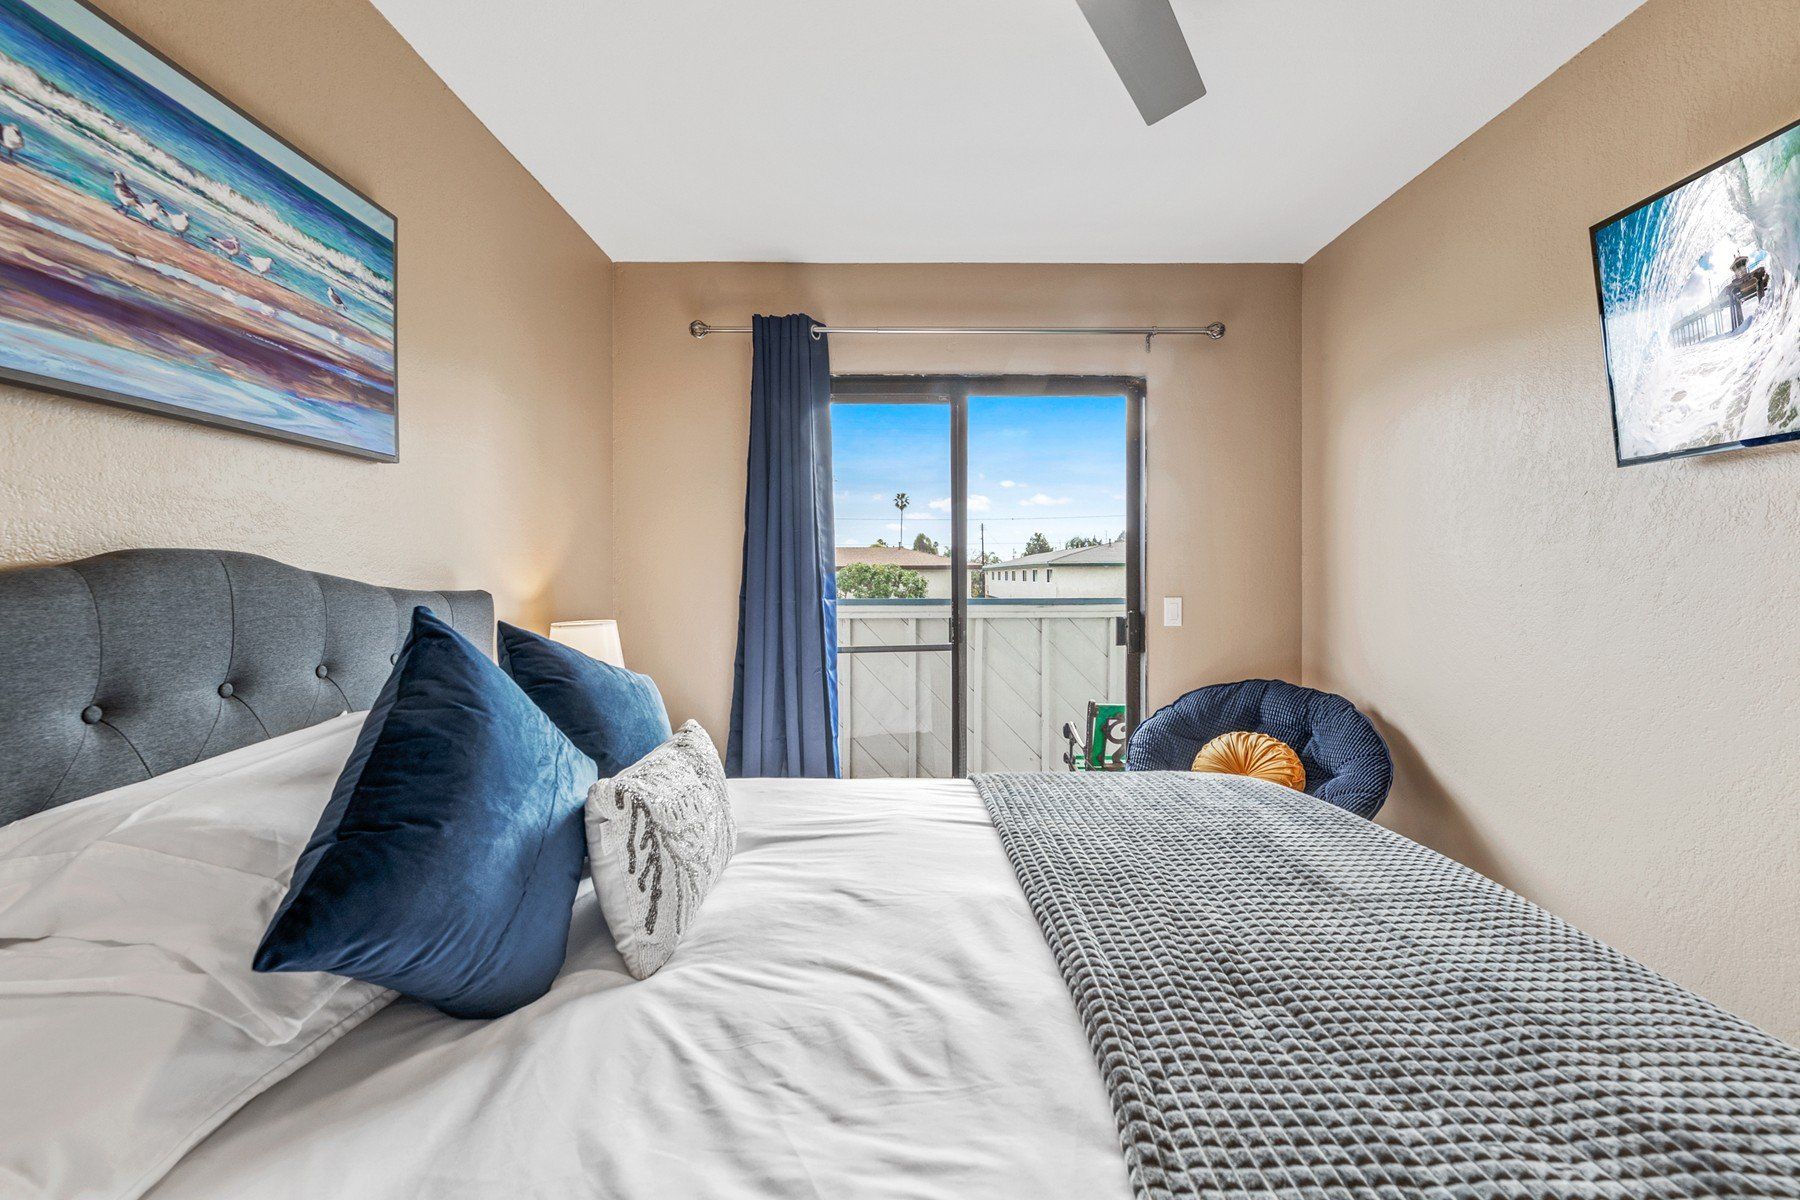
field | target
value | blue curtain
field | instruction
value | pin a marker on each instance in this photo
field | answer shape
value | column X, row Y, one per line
column 784, row 694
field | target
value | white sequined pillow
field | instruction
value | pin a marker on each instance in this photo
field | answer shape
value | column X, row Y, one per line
column 659, row 834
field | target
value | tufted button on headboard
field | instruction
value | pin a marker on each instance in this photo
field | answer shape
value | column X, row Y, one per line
column 123, row 666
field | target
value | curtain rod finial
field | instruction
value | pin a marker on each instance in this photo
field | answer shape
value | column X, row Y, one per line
column 699, row 329
column 1215, row 331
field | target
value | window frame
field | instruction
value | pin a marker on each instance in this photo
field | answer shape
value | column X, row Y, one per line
column 956, row 390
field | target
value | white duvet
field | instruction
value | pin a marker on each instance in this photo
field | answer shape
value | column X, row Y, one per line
column 864, row 1007
column 131, row 1023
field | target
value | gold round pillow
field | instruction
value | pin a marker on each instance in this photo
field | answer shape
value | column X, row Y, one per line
column 1254, row 754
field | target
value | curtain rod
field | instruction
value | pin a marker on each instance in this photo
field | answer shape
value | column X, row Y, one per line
column 1215, row 331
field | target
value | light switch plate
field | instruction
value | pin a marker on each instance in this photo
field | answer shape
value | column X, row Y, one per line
column 1171, row 612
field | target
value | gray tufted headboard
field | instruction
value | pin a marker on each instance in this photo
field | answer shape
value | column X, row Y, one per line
column 123, row 666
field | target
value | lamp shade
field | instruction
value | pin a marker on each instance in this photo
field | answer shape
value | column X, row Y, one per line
column 596, row 639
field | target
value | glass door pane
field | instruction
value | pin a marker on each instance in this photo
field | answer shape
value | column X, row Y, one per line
column 895, row 715
column 1048, row 517
column 892, row 463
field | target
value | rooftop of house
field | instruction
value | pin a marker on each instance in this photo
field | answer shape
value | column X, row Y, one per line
column 1111, row 554
column 899, row 556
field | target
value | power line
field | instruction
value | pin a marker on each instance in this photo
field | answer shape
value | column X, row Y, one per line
column 1048, row 516
column 991, row 546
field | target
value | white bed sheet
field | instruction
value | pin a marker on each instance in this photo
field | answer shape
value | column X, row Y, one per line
column 865, row 1007
column 131, row 1023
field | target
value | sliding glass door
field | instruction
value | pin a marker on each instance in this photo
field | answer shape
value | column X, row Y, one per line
column 899, row 600
column 989, row 548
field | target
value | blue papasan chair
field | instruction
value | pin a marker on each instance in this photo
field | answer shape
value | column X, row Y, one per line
column 1346, row 761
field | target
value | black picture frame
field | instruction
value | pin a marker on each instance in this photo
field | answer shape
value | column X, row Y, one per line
column 1600, row 299
column 78, row 391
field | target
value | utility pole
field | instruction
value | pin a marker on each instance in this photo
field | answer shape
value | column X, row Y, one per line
column 983, row 560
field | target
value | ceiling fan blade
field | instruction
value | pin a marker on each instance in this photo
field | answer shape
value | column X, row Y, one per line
column 1144, row 41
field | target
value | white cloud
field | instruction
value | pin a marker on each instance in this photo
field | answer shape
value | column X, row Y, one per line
column 1042, row 500
column 1008, row 483
column 977, row 503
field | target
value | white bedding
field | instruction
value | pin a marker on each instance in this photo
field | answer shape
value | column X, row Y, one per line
column 863, row 1007
column 131, row 1023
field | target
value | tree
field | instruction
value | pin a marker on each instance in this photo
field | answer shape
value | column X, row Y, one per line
column 925, row 545
column 1080, row 541
column 1039, row 544
column 879, row 581
column 902, row 502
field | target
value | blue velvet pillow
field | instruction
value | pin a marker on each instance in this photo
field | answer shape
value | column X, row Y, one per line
column 446, row 864
column 613, row 716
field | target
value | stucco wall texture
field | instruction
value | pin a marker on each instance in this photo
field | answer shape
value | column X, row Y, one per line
column 505, row 355
column 1589, row 675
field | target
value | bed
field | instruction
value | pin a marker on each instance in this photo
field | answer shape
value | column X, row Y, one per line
column 897, row 988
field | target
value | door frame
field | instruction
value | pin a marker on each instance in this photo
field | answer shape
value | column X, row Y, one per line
column 955, row 391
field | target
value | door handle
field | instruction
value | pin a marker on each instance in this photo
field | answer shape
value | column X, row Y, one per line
column 1128, row 631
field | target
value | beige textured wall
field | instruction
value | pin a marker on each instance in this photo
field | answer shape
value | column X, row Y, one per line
column 505, row 365
column 1222, row 439
column 1590, row 676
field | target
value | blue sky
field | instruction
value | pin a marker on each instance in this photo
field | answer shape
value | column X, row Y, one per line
column 1054, row 465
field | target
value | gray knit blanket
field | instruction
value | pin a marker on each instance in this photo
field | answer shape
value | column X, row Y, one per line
column 1289, row 1001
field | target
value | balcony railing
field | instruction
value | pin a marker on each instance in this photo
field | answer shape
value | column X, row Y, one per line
column 1033, row 664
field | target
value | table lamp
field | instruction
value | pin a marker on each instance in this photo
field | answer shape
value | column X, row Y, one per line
column 596, row 639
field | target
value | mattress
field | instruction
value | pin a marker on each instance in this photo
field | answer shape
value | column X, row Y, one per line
column 864, row 1007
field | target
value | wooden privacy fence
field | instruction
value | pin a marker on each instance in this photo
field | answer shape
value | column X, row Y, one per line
column 1033, row 664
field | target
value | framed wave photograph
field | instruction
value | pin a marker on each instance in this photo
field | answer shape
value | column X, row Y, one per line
column 1700, row 303
column 161, row 250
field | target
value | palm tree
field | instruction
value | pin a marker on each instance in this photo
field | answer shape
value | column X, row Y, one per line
column 901, row 501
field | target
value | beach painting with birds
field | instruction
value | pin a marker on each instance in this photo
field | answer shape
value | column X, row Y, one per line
column 160, row 250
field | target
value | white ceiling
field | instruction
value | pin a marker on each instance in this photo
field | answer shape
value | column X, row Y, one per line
column 979, row 130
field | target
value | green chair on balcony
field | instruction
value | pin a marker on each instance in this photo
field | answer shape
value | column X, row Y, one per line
column 1101, row 745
